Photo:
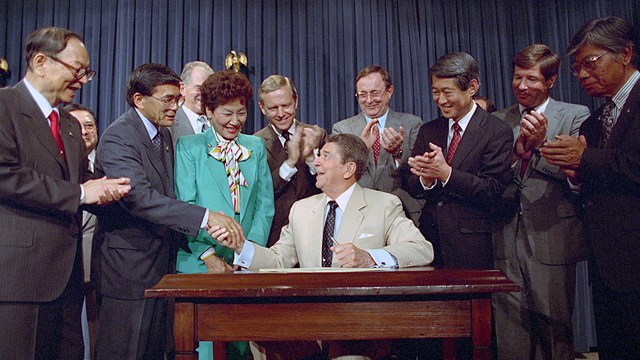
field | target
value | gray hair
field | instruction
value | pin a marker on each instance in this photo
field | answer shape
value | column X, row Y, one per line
column 460, row 66
column 188, row 69
column 275, row 82
column 610, row 33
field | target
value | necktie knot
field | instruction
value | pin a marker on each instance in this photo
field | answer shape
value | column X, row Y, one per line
column 286, row 135
column 455, row 142
column 202, row 119
column 527, row 111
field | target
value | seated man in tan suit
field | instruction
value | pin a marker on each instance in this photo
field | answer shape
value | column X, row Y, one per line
column 345, row 226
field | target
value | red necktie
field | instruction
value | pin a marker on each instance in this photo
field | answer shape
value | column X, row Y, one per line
column 455, row 142
column 55, row 131
column 376, row 144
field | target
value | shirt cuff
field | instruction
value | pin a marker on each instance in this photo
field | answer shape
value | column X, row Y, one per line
column 425, row 187
column 246, row 255
column 444, row 183
column 312, row 167
column 81, row 194
column 286, row 172
column 203, row 224
column 383, row 258
column 574, row 188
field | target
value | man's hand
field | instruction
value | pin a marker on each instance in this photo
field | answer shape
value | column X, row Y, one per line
column 104, row 191
column 312, row 135
column 565, row 152
column 533, row 134
column 351, row 256
column 216, row 265
column 370, row 133
column 392, row 141
column 228, row 224
column 294, row 146
column 222, row 236
column 430, row 166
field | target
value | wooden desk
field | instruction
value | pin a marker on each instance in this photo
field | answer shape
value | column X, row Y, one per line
column 386, row 304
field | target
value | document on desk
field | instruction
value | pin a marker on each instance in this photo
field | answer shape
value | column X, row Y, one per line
column 321, row 269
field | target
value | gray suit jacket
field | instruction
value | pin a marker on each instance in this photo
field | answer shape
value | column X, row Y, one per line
column 40, row 199
column 386, row 176
column 181, row 126
column 545, row 200
column 136, row 240
column 372, row 220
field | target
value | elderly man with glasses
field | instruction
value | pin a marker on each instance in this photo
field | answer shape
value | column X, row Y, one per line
column 603, row 166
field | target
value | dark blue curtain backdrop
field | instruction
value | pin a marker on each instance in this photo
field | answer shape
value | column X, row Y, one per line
column 321, row 44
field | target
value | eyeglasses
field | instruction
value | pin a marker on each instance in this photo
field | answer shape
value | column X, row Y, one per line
column 588, row 63
column 169, row 101
column 375, row 95
column 78, row 72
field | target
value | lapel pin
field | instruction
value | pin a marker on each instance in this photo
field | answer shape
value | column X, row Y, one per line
column 209, row 145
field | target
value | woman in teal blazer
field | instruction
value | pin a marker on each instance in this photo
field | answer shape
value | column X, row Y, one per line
column 206, row 174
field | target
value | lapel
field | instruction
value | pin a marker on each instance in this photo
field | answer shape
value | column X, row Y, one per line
column 627, row 115
column 273, row 145
column 216, row 168
column 39, row 125
column 352, row 217
column 553, row 113
column 70, row 135
column 169, row 157
column 150, row 150
column 472, row 135
column 249, row 169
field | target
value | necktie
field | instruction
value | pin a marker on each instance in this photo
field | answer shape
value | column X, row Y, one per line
column 376, row 144
column 55, row 131
column 607, row 120
column 205, row 123
column 524, row 159
column 159, row 146
column 286, row 135
column 230, row 152
column 327, row 234
column 455, row 142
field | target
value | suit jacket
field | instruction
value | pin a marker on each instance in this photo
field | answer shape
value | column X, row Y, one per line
column 611, row 194
column 39, row 211
column 386, row 176
column 547, row 203
column 202, row 180
column 456, row 217
column 301, row 185
column 372, row 220
column 136, row 240
column 181, row 126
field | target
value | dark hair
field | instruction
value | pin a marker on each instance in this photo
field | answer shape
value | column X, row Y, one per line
column 351, row 149
column 460, row 66
column 491, row 106
column 611, row 33
column 146, row 77
column 538, row 54
column 372, row 69
column 276, row 82
column 79, row 107
column 223, row 87
column 49, row 41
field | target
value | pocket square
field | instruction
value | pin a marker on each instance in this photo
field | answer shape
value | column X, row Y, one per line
column 364, row 236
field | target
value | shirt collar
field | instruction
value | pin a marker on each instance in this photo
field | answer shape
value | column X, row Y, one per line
column 382, row 120
column 42, row 102
column 621, row 96
column 152, row 130
column 193, row 119
column 291, row 131
column 465, row 119
column 343, row 199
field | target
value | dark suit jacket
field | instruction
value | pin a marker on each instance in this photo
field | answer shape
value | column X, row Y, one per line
column 136, row 240
column 456, row 217
column 542, row 195
column 301, row 185
column 611, row 193
column 39, row 210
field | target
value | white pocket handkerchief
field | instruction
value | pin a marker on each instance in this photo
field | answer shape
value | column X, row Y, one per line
column 364, row 236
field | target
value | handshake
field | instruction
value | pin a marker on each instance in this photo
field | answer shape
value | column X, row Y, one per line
column 227, row 232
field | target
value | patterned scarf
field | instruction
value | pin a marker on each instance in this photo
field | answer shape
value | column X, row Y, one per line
column 230, row 152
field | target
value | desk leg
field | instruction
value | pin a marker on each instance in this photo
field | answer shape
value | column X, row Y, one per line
column 184, row 331
column 219, row 350
column 481, row 328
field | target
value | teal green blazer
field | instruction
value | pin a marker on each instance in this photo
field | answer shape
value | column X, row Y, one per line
column 202, row 180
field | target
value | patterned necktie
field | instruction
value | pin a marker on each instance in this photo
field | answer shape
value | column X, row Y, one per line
column 230, row 152
column 55, row 131
column 455, row 142
column 205, row 123
column 327, row 234
column 607, row 120
column 286, row 135
column 159, row 146
column 376, row 144
column 524, row 159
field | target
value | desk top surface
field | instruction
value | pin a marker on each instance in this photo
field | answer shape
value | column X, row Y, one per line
column 408, row 281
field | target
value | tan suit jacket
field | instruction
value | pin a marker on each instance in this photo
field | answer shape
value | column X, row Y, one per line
column 372, row 220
